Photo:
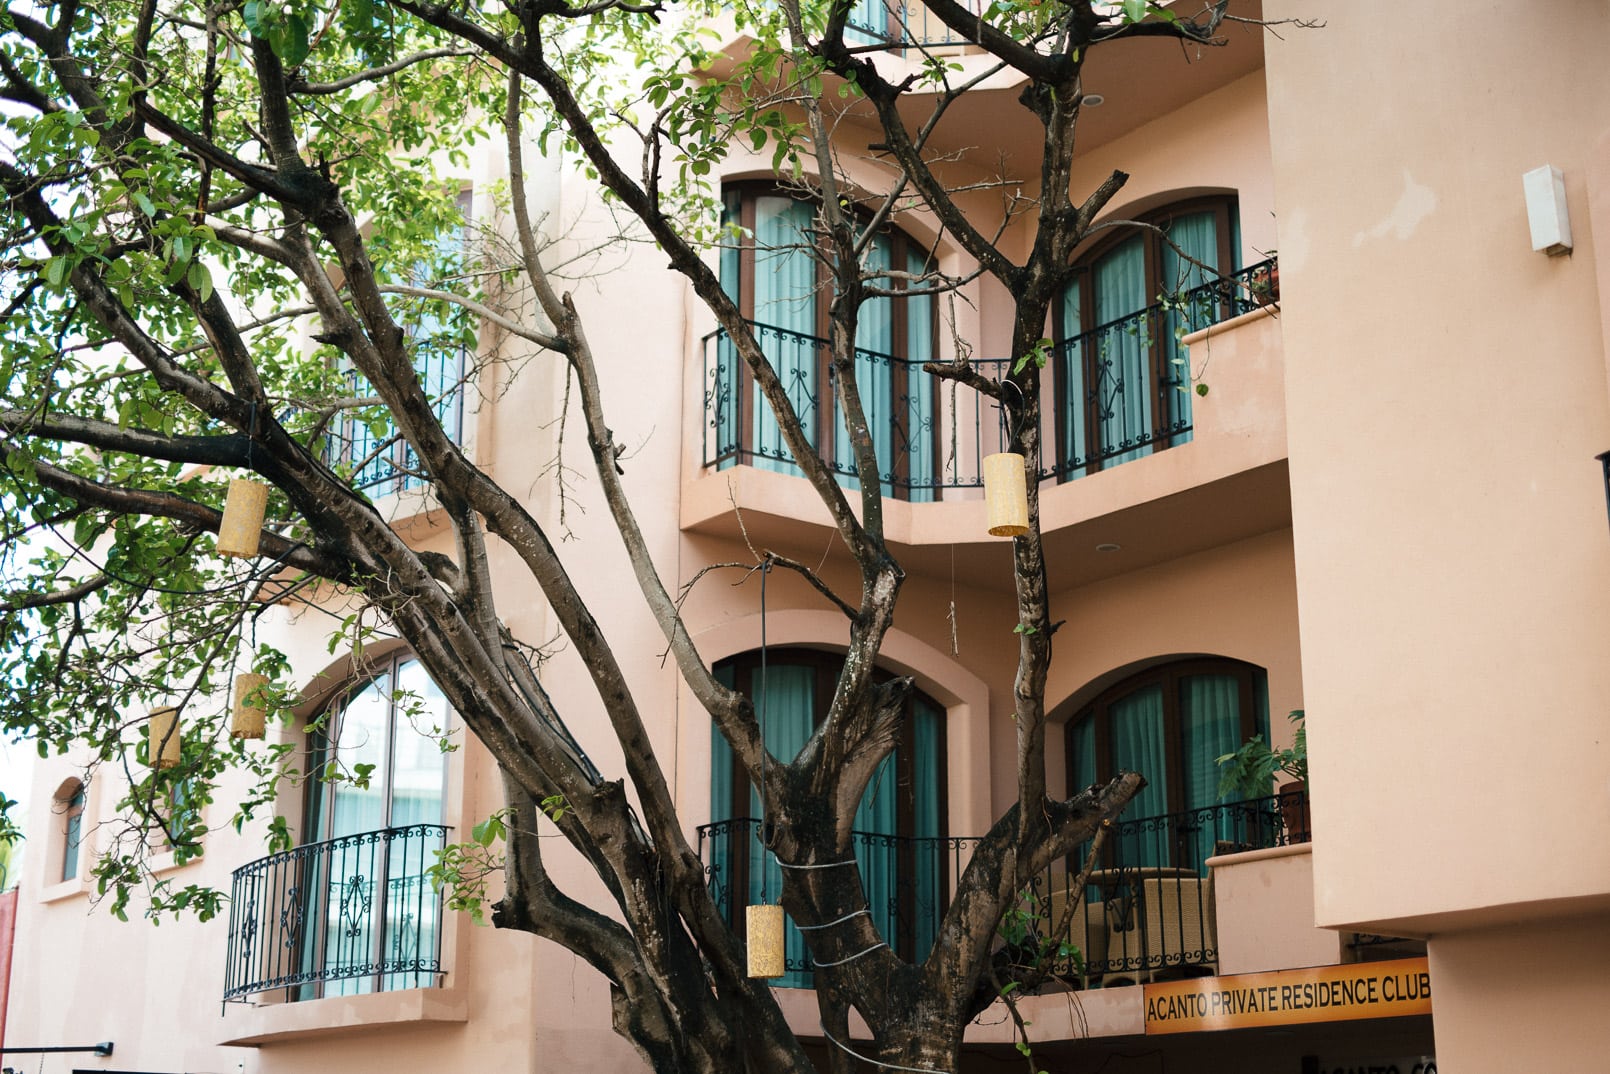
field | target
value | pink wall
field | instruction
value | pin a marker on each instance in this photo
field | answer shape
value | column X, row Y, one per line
column 1527, row 996
column 1450, row 395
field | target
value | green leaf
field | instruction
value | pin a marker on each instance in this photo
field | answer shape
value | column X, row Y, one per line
column 1134, row 10
column 201, row 280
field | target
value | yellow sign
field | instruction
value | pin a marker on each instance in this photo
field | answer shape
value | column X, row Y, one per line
column 1290, row 997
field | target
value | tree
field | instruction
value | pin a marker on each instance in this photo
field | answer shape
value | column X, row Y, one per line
column 227, row 253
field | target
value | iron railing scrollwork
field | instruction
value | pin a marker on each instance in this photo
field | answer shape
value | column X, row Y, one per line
column 1148, row 911
column 352, row 914
column 366, row 441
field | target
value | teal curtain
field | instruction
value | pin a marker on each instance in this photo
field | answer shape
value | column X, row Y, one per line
column 785, row 706
column 349, row 889
column 868, row 23
column 1122, row 354
column 1073, row 456
column 898, row 873
column 785, row 313
column 73, row 836
column 723, row 411
column 874, row 376
column 1210, row 715
column 929, row 897
column 877, row 851
column 918, row 434
column 1210, row 718
column 1082, row 748
column 1138, row 746
column 360, row 738
column 1195, row 235
column 1082, row 774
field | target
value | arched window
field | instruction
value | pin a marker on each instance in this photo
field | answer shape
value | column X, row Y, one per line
column 1170, row 723
column 69, row 805
column 899, row 828
column 785, row 290
column 1122, row 378
column 373, row 824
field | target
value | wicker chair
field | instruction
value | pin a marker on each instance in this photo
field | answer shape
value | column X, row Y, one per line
column 1164, row 927
column 1090, row 937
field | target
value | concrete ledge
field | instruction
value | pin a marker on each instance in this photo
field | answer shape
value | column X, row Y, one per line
column 254, row 1026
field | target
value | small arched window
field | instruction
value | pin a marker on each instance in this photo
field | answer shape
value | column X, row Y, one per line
column 773, row 274
column 69, row 806
column 1122, row 376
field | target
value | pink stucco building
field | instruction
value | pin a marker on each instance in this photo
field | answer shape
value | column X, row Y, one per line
column 1386, row 510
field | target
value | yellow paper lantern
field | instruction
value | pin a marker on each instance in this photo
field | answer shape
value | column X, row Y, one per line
column 162, row 736
column 764, row 926
column 241, row 528
column 249, row 707
column 1006, row 494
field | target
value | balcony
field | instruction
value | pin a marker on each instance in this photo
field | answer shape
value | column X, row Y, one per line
column 1148, row 912
column 904, row 24
column 351, row 915
column 365, row 443
column 1098, row 413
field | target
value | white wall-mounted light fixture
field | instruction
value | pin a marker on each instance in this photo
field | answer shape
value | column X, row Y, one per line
column 1545, row 210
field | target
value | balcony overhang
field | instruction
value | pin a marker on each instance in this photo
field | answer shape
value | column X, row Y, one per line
column 1117, row 507
column 1136, row 80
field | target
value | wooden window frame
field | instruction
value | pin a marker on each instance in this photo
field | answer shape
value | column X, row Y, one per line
column 824, row 428
column 1169, row 676
column 1225, row 208
column 71, row 799
column 825, row 667
column 319, row 805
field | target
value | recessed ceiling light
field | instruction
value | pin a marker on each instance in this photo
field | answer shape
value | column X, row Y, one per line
column 1092, row 100
column 1108, row 547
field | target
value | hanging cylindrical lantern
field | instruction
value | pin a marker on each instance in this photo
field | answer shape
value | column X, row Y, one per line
column 162, row 738
column 764, row 928
column 242, row 525
column 1006, row 494
column 248, row 706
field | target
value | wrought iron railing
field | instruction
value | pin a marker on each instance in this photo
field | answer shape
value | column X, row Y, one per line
column 366, row 442
column 347, row 915
column 1147, row 912
column 1115, row 393
column 905, row 23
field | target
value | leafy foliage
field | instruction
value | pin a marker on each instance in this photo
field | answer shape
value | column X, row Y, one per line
column 234, row 241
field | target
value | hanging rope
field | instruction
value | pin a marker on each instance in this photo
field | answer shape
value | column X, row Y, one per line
column 867, row 910
column 760, row 719
column 852, row 958
column 877, row 1062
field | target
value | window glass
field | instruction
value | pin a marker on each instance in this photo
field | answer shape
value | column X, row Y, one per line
column 1170, row 724
column 1123, row 377
column 378, row 919
column 368, row 442
column 72, row 832
column 782, row 288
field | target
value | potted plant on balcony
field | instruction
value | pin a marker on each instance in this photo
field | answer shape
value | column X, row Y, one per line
column 1250, row 769
column 1264, row 286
